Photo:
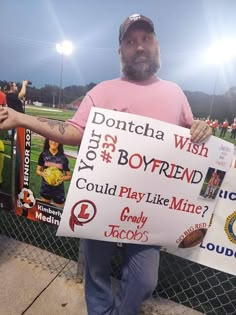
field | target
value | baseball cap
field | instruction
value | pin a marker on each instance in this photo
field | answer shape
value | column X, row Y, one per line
column 134, row 18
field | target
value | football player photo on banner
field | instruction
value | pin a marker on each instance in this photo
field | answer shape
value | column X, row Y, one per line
column 45, row 172
column 140, row 180
column 7, row 165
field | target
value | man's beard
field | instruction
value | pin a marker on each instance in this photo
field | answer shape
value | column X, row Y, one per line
column 141, row 71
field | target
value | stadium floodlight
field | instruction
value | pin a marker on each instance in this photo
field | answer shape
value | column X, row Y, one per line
column 219, row 53
column 63, row 48
column 222, row 51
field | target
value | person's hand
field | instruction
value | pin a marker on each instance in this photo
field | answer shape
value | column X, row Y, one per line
column 3, row 114
column 62, row 179
column 8, row 118
column 200, row 131
column 43, row 174
column 25, row 82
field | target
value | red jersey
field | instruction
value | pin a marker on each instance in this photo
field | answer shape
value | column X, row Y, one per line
column 233, row 125
column 215, row 124
column 2, row 98
column 225, row 124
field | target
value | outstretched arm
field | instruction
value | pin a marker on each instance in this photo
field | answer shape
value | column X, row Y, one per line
column 58, row 131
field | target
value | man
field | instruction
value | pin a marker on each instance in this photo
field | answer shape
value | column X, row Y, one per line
column 140, row 92
column 233, row 131
column 224, row 128
column 214, row 126
column 15, row 97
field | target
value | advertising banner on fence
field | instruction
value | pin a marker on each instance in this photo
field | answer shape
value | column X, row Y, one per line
column 218, row 249
column 45, row 169
column 140, row 180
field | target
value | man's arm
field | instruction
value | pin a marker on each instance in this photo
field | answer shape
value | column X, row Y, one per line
column 58, row 131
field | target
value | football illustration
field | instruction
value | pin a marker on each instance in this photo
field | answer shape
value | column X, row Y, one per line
column 52, row 175
column 193, row 239
column 26, row 199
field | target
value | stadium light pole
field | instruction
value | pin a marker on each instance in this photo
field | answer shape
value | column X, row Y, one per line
column 220, row 53
column 214, row 91
column 63, row 48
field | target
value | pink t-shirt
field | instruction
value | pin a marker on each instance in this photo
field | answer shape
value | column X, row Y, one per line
column 154, row 98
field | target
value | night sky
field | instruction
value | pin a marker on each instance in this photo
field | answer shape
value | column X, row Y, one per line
column 30, row 30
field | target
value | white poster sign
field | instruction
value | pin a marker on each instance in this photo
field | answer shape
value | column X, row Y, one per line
column 140, row 180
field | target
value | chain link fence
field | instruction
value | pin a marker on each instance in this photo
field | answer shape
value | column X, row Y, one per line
column 206, row 290
column 42, row 236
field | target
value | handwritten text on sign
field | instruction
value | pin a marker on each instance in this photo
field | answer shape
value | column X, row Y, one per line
column 139, row 180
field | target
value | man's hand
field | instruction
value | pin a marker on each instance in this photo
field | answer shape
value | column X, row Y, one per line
column 25, row 82
column 8, row 118
column 3, row 114
column 200, row 131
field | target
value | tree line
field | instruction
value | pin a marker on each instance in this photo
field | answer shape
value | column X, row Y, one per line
column 219, row 107
column 202, row 104
column 49, row 94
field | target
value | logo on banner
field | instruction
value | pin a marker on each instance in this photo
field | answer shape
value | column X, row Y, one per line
column 230, row 227
column 82, row 212
column 26, row 199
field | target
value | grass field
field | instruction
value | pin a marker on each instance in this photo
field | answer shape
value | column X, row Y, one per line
column 227, row 137
column 49, row 112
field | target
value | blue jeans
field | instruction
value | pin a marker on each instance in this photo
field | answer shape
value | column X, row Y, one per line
column 139, row 277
